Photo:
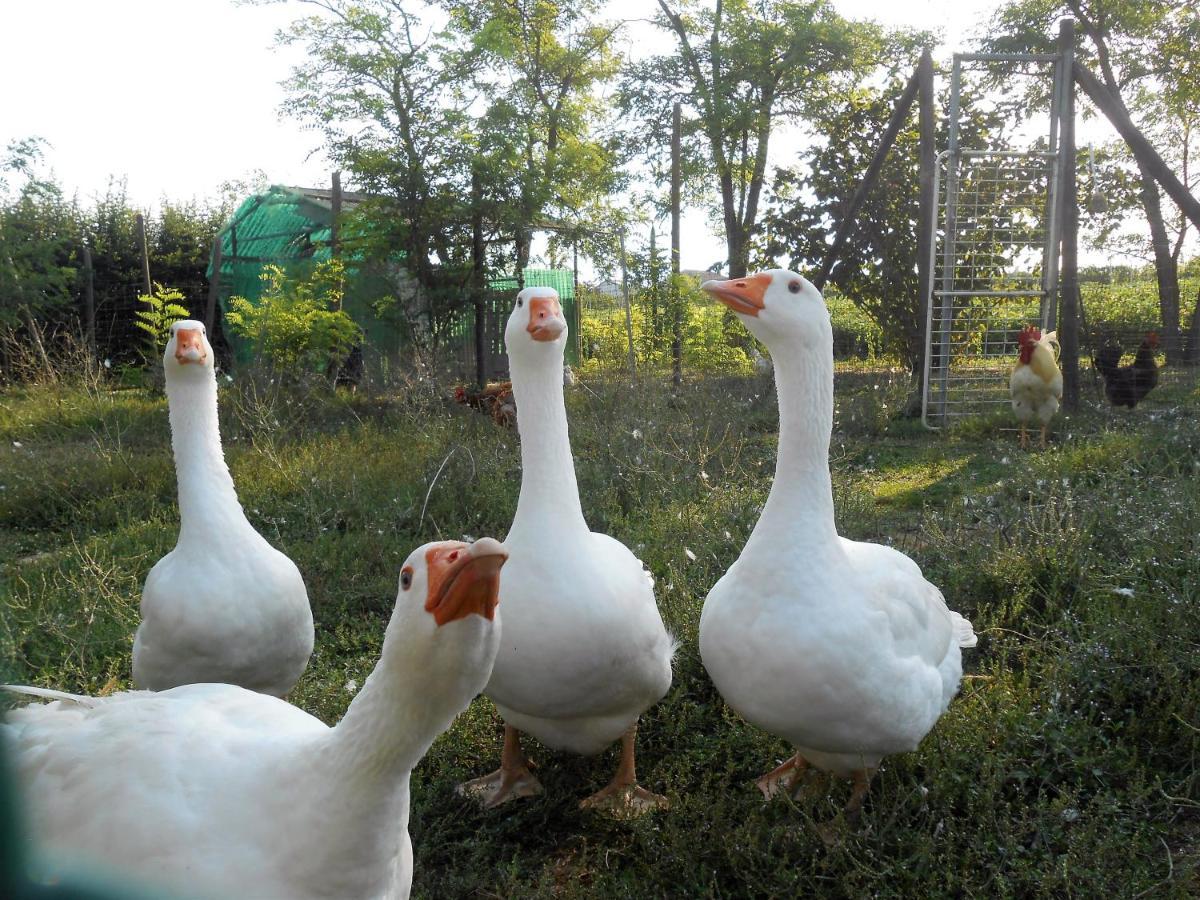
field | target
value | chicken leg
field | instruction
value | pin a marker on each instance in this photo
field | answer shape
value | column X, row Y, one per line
column 511, row 781
column 623, row 796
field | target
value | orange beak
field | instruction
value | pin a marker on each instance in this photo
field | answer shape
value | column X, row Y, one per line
column 464, row 579
column 546, row 320
column 189, row 346
column 742, row 295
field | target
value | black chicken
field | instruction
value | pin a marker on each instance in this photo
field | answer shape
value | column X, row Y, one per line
column 1128, row 385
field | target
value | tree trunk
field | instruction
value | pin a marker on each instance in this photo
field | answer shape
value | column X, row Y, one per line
column 1166, row 268
column 1192, row 356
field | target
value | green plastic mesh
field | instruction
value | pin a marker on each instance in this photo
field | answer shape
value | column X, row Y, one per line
column 290, row 227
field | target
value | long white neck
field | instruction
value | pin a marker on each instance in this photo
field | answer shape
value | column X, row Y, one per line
column 549, row 500
column 799, row 510
column 358, row 781
column 208, row 503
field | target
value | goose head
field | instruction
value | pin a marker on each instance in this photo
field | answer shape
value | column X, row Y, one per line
column 449, row 581
column 445, row 629
column 780, row 308
column 537, row 329
column 188, row 353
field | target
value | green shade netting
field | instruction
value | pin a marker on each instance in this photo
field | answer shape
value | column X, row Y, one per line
column 290, row 227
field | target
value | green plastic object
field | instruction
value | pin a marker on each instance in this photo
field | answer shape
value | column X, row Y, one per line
column 15, row 853
column 291, row 227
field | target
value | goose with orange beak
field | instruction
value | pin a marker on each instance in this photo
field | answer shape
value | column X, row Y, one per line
column 224, row 605
column 585, row 652
column 212, row 790
column 841, row 647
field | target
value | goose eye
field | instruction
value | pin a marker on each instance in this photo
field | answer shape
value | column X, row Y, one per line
column 794, row 286
column 520, row 303
column 406, row 578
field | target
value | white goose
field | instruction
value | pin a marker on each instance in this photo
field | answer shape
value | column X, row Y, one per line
column 224, row 605
column 585, row 652
column 219, row 791
column 839, row 646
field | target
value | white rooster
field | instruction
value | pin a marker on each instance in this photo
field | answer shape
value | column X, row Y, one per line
column 1036, row 383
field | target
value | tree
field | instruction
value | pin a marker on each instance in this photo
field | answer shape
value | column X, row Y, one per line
column 536, row 150
column 37, row 235
column 741, row 68
column 1141, row 51
column 877, row 267
column 385, row 91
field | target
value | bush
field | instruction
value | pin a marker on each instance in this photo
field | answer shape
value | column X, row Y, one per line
column 713, row 341
column 298, row 326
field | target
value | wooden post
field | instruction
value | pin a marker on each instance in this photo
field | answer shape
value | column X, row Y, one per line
column 846, row 225
column 1142, row 149
column 335, row 203
column 927, row 210
column 676, row 300
column 1068, row 319
column 140, row 225
column 478, row 280
column 214, row 286
column 577, row 318
column 89, row 300
column 655, row 325
column 628, row 311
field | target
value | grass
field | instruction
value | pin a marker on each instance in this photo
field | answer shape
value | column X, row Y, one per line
column 1066, row 767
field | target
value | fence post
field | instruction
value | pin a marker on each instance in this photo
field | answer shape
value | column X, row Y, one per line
column 628, row 310
column 1068, row 324
column 214, row 286
column 89, row 300
column 335, row 212
column 140, row 224
column 676, row 300
column 927, row 151
column 477, row 277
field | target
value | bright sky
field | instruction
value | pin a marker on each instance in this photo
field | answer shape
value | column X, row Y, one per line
column 178, row 97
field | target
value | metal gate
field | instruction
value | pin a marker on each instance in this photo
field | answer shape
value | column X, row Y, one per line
column 994, row 257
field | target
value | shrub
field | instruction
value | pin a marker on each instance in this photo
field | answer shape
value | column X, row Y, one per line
column 163, row 309
column 298, row 326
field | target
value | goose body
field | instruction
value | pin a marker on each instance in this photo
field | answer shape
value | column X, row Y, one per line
column 841, row 647
column 211, row 790
column 585, row 652
column 224, row 605
column 601, row 656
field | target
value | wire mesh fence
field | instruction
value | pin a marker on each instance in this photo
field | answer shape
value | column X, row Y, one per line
column 990, row 270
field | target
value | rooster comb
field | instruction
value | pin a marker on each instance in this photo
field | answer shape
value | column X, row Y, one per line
column 1030, row 334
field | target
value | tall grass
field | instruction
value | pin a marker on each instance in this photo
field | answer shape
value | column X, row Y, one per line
column 1066, row 767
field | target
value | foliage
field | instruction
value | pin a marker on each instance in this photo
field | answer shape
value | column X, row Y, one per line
column 1066, row 766
column 37, row 269
column 741, row 69
column 483, row 118
column 1141, row 51
column 163, row 309
column 537, row 154
column 877, row 266
column 709, row 345
column 298, row 326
